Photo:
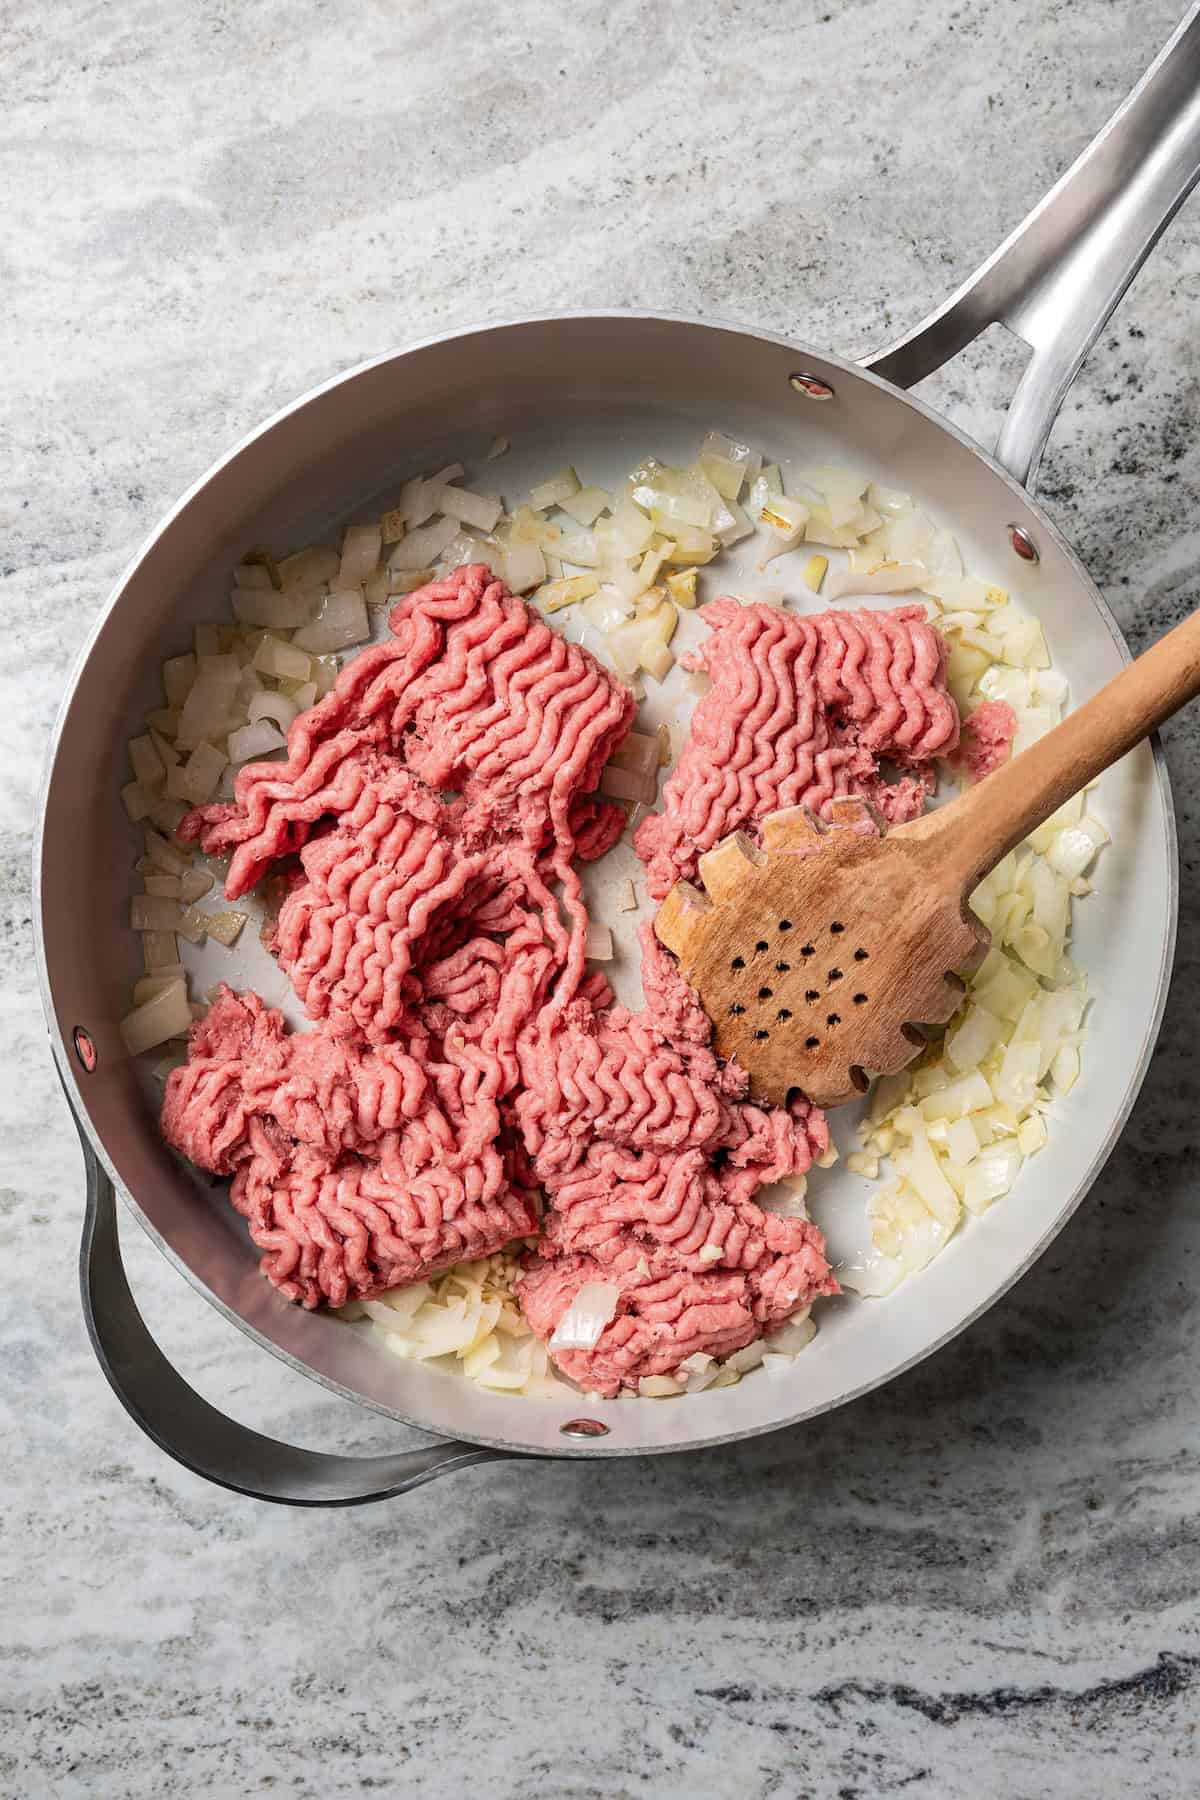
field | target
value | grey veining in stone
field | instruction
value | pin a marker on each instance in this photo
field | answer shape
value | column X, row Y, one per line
column 981, row 1581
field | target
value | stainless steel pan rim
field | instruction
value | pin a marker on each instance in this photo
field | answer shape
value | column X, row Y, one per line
column 1012, row 286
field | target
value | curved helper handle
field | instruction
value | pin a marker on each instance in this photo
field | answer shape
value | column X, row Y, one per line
column 1056, row 279
column 171, row 1413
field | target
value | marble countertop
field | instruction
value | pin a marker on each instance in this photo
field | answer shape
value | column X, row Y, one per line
column 981, row 1580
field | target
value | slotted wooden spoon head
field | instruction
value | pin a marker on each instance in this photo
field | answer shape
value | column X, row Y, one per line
column 818, row 956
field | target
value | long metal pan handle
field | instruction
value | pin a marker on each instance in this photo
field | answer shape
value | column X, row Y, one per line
column 171, row 1413
column 1056, row 280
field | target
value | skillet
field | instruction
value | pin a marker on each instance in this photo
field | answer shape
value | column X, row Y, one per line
column 598, row 390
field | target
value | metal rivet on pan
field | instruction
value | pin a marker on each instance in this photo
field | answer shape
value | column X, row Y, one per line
column 811, row 386
column 85, row 1050
column 1023, row 544
column 583, row 1428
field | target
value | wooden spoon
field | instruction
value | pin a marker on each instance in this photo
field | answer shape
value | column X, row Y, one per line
column 819, row 956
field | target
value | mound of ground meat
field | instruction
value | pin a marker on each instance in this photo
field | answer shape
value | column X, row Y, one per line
column 430, row 816
column 800, row 712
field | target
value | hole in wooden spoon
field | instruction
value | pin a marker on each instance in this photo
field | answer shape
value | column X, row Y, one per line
column 833, row 1019
column 812, row 1043
column 860, row 955
column 764, row 993
column 762, row 1036
column 837, row 928
column 860, row 999
column 811, row 994
column 739, row 962
column 835, row 975
column 783, row 1015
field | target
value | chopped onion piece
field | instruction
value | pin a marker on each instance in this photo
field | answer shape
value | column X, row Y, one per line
column 479, row 510
column 557, row 594
column 160, row 950
column 587, row 504
column 599, row 944
column 554, row 490
column 342, row 621
column 195, row 780
column 304, row 696
column 147, row 987
column 192, row 925
column 165, row 1016
column 499, row 446
column 888, row 578
column 638, row 752
column 361, row 546
column 273, row 706
column 991, row 1175
column 632, row 530
column 251, row 741
column 178, row 674
column 660, row 1387
column 146, row 763
column 747, row 1358
column 163, row 887
column 310, row 568
column 523, row 566
column 193, row 884
column 582, row 1324
column 422, row 547
column 149, row 912
column 136, row 801
column 226, row 927
column 274, row 611
column 682, row 588
column 628, row 784
column 165, row 856
column 274, row 657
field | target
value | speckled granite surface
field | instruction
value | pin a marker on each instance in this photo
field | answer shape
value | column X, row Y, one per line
column 983, row 1580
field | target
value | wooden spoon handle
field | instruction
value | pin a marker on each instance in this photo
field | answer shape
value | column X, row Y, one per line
column 983, row 824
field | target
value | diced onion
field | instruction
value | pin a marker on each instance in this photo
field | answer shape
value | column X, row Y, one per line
column 273, row 706
column 273, row 657
column 523, row 567
column 421, row 548
column 251, row 741
column 147, row 912
column 193, row 885
column 192, row 925
column 554, row 490
column 160, row 950
column 178, row 674
column 226, row 927
column 165, row 856
column 582, row 1324
column 599, row 944
column 165, row 1016
column 274, row 611
column 342, row 621
column 888, row 578
column 361, row 546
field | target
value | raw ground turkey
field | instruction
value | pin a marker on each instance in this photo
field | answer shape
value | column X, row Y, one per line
column 429, row 818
